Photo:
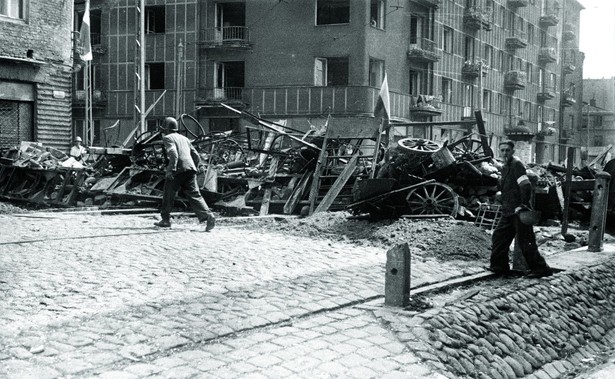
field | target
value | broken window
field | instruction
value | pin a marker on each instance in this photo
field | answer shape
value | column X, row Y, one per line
column 13, row 8
column 154, row 76
column 154, row 19
column 229, row 79
column 95, row 24
column 330, row 12
column 331, row 72
column 377, row 14
column 447, row 39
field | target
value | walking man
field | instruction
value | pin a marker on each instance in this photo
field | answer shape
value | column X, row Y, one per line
column 181, row 174
column 516, row 192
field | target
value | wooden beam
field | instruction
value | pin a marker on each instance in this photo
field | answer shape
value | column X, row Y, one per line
column 297, row 193
column 483, row 134
column 569, row 167
column 316, row 177
column 264, row 211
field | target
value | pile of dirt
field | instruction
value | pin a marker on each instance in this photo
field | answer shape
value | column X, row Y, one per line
column 444, row 239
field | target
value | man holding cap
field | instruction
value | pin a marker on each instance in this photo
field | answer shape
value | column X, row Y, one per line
column 516, row 191
column 181, row 173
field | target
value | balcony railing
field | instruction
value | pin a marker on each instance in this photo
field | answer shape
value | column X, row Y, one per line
column 226, row 37
column 311, row 100
column 218, row 95
column 424, row 51
column 550, row 17
column 515, row 80
column 426, row 105
column 476, row 18
column 430, row 3
column 98, row 98
column 472, row 69
column 568, row 99
column 517, row 40
column 547, row 55
column 518, row 3
column 547, row 92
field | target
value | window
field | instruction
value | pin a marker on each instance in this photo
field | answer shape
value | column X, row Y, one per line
column 501, row 103
column 598, row 140
column 154, row 19
column 12, row 8
column 79, row 130
column 529, row 72
column 469, row 49
column 376, row 72
column 330, row 12
column 377, row 14
column 95, row 24
column 501, row 60
column 543, row 38
column 489, row 55
column 553, row 81
column 487, row 102
column 447, row 39
column 331, row 72
column 519, row 108
column 541, row 76
column 530, row 34
column 80, row 79
column 154, row 76
column 539, row 114
column 597, row 122
column 468, row 95
column 527, row 111
column 414, row 29
column 447, row 90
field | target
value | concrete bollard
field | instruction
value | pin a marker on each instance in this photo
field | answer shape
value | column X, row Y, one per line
column 598, row 217
column 397, row 277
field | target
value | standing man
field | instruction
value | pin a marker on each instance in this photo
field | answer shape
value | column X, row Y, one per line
column 181, row 173
column 516, row 192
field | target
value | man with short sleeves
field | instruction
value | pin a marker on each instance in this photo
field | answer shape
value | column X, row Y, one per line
column 516, row 192
column 181, row 173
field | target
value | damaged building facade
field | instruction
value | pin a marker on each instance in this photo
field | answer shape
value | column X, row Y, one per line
column 516, row 60
column 35, row 72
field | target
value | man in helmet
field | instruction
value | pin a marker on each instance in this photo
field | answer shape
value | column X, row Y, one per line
column 515, row 197
column 181, row 174
column 77, row 151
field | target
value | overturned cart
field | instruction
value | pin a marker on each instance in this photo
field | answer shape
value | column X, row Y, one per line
column 423, row 178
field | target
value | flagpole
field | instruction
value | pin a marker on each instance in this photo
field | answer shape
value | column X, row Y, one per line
column 86, row 92
column 90, row 106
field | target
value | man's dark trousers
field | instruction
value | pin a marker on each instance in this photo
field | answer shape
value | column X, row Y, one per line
column 508, row 228
column 186, row 181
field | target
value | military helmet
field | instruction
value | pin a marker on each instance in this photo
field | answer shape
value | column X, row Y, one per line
column 169, row 124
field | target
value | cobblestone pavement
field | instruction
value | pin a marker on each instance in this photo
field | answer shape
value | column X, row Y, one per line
column 112, row 296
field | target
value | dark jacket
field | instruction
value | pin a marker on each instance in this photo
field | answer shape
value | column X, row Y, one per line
column 515, row 186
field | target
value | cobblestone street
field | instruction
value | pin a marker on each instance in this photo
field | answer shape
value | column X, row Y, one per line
column 87, row 295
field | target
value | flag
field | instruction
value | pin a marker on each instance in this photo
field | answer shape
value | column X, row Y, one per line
column 84, row 35
column 383, row 105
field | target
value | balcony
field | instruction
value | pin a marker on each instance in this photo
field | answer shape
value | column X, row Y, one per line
column 549, row 18
column 99, row 100
column 547, row 55
column 568, row 67
column 476, row 18
column 569, row 33
column 568, row 99
column 517, row 40
column 430, row 3
column 471, row 69
column 546, row 93
column 311, row 100
column 515, row 80
column 425, row 105
column 231, row 37
column 424, row 51
column 518, row 3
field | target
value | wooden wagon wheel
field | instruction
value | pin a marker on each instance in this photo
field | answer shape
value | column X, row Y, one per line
column 418, row 145
column 433, row 199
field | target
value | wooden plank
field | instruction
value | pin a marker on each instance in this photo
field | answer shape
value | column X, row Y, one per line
column 264, row 211
column 483, row 134
column 340, row 182
column 297, row 194
column 381, row 196
column 322, row 156
column 569, row 167
column 372, row 174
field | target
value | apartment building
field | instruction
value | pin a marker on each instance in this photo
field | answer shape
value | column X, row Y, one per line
column 35, row 72
column 598, row 127
column 301, row 61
